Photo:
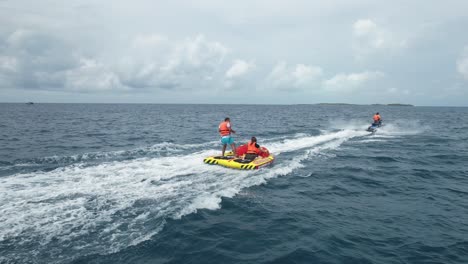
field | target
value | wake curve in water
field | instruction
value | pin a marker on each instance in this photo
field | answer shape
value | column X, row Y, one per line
column 395, row 127
column 167, row 148
column 104, row 208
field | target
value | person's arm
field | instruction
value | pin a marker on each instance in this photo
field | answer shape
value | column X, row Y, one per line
column 230, row 128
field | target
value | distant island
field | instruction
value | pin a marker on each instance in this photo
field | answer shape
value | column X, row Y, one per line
column 335, row 104
column 394, row 104
column 400, row 105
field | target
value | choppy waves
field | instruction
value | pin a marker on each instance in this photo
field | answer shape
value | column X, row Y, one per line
column 78, row 209
column 63, row 208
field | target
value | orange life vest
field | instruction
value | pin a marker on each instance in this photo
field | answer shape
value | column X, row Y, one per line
column 224, row 129
column 376, row 118
column 252, row 149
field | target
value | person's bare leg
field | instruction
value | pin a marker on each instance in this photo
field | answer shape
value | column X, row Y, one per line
column 233, row 146
column 224, row 149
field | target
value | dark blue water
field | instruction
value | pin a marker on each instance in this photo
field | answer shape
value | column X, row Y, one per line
column 87, row 183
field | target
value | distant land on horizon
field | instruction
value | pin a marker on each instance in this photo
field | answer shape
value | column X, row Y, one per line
column 393, row 104
column 350, row 104
column 324, row 104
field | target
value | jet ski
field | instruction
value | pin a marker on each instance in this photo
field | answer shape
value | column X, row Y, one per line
column 240, row 162
column 373, row 127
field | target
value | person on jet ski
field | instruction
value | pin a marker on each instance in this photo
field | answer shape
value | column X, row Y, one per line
column 377, row 119
column 253, row 149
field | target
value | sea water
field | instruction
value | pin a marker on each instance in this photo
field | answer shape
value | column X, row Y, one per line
column 126, row 183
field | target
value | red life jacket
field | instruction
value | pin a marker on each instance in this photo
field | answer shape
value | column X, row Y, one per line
column 376, row 118
column 252, row 149
column 224, row 129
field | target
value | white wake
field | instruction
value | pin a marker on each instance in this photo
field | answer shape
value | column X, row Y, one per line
column 105, row 208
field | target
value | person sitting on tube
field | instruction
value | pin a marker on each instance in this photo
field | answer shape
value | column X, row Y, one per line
column 253, row 149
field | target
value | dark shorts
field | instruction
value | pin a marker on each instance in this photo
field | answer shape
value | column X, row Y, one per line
column 250, row 156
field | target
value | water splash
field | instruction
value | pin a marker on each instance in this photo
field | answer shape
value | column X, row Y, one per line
column 105, row 208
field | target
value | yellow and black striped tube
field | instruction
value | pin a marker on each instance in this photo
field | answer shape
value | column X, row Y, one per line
column 210, row 161
column 248, row 167
column 233, row 163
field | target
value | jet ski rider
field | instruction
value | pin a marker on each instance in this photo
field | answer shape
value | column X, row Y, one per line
column 377, row 119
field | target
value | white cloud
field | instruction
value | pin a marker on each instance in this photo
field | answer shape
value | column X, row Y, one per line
column 92, row 75
column 396, row 91
column 149, row 41
column 8, row 68
column 34, row 60
column 239, row 68
column 369, row 38
column 392, row 90
column 18, row 37
column 462, row 63
column 349, row 82
column 8, row 63
column 156, row 62
column 199, row 52
column 364, row 27
column 228, row 83
column 304, row 74
column 291, row 77
column 42, row 46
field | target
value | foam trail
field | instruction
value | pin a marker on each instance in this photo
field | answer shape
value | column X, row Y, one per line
column 373, row 140
column 402, row 128
column 290, row 145
column 105, row 208
column 154, row 150
column 349, row 124
column 107, row 199
column 390, row 128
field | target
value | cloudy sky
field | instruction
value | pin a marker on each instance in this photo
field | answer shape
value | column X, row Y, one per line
column 210, row 51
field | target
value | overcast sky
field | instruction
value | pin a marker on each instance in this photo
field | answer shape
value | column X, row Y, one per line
column 211, row 51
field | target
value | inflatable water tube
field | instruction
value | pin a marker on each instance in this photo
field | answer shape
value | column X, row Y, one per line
column 231, row 161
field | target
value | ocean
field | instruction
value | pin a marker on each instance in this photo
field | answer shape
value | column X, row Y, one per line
column 126, row 183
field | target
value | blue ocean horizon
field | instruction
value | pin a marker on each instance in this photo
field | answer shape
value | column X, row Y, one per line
column 126, row 183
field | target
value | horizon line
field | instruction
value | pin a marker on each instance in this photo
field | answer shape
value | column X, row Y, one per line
column 323, row 104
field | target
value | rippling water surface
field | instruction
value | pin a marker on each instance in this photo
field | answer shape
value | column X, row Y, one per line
column 104, row 183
